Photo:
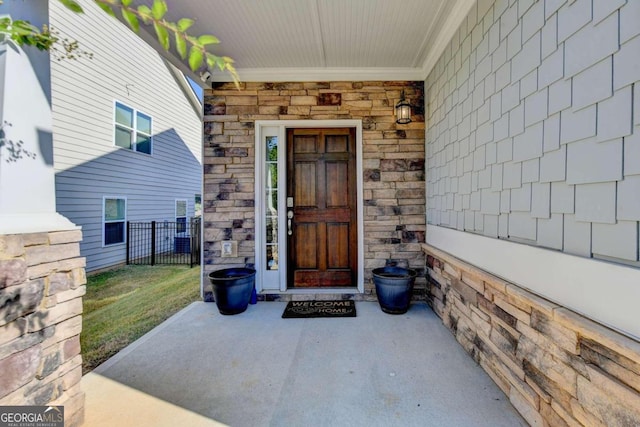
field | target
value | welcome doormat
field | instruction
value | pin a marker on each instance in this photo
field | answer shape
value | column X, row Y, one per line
column 304, row 309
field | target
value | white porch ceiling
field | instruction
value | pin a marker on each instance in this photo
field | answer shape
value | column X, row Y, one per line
column 284, row 40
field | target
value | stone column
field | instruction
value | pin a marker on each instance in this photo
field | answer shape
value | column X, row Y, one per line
column 42, row 277
column 42, row 281
column 27, row 175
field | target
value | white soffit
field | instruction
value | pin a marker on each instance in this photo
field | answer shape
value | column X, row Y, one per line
column 324, row 40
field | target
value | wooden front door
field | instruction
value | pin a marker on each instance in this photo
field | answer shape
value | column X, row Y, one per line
column 321, row 206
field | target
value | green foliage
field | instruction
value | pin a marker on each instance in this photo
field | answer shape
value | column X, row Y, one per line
column 24, row 33
column 193, row 49
column 72, row 5
column 184, row 24
column 107, row 9
column 163, row 37
column 195, row 57
column 181, row 46
column 159, row 9
column 131, row 20
column 205, row 40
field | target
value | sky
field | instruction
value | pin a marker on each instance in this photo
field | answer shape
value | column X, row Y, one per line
column 196, row 88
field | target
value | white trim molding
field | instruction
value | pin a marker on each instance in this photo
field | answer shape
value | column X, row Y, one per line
column 458, row 13
column 323, row 74
column 604, row 292
column 279, row 127
column 24, row 223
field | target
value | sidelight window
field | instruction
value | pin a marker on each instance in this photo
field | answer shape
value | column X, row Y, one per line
column 271, row 198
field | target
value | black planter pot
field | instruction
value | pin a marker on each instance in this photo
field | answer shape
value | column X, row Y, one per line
column 232, row 288
column 394, row 286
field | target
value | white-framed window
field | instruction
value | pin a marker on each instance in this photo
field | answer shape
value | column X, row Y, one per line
column 271, row 147
column 132, row 129
column 197, row 208
column 114, row 218
column 181, row 216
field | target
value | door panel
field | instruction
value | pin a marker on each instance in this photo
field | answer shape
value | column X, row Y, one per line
column 337, row 143
column 305, row 177
column 337, row 176
column 338, row 256
column 306, row 144
column 306, row 245
column 321, row 171
column 316, row 278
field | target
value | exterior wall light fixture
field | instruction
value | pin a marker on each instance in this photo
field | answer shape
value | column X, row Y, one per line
column 403, row 111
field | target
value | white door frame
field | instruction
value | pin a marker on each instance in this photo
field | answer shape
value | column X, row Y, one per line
column 276, row 281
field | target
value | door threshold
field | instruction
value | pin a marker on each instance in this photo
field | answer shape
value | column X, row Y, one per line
column 319, row 294
column 311, row 291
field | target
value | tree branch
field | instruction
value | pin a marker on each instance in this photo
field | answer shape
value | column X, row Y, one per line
column 190, row 48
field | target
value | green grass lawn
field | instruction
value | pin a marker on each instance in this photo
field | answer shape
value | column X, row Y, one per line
column 122, row 305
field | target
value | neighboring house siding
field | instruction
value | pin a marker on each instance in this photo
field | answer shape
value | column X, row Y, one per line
column 88, row 164
column 532, row 136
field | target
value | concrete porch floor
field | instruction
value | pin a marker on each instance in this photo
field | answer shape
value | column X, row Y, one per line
column 200, row 368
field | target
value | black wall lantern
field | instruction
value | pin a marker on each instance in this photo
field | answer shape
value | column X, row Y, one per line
column 403, row 111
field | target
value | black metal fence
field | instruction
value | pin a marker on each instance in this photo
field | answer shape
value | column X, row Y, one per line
column 164, row 242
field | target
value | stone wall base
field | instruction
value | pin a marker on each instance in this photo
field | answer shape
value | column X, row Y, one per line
column 42, row 281
column 557, row 368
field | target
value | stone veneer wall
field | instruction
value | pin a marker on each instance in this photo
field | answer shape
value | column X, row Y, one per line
column 557, row 367
column 393, row 156
column 42, row 281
